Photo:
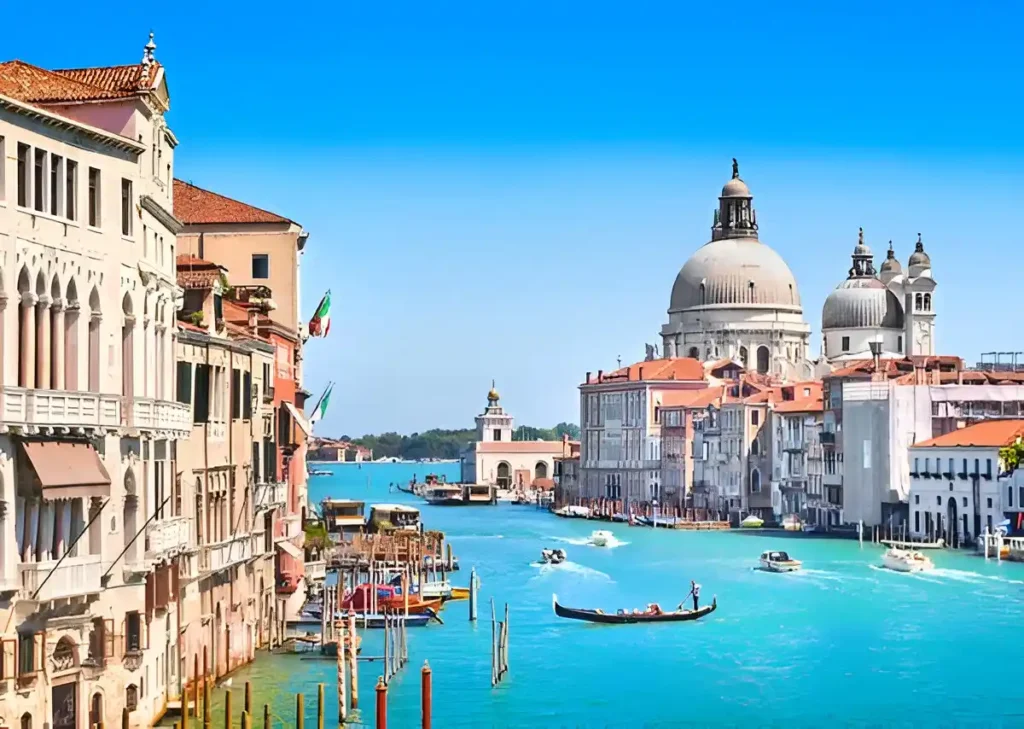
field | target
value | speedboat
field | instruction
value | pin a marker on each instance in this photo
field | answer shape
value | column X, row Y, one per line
column 600, row 538
column 552, row 556
column 775, row 561
column 901, row 560
column 752, row 522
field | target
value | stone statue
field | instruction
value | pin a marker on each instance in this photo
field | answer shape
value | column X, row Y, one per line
column 735, row 168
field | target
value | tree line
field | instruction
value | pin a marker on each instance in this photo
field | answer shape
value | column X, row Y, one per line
column 440, row 443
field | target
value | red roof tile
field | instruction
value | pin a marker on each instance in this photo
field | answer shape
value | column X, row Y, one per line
column 555, row 447
column 678, row 368
column 691, row 398
column 197, row 273
column 118, row 80
column 989, row 434
column 32, row 84
column 803, row 405
column 194, row 205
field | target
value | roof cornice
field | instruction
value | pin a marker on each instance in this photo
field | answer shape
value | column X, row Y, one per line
column 158, row 211
column 62, row 122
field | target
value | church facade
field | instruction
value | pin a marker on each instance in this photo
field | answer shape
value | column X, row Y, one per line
column 736, row 298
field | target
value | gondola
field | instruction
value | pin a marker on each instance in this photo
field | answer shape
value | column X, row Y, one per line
column 623, row 617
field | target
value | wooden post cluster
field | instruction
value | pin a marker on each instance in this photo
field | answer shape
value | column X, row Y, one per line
column 499, row 646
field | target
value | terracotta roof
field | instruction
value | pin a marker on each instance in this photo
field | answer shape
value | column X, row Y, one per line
column 803, row 405
column 197, row 273
column 196, row 206
column 678, row 368
column 691, row 398
column 25, row 82
column 546, row 447
column 989, row 433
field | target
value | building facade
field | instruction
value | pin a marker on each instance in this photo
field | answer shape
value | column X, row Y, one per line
column 92, row 521
column 796, row 453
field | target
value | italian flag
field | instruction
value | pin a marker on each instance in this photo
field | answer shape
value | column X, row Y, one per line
column 320, row 324
column 321, row 407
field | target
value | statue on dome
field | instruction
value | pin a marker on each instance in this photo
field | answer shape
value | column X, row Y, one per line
column 735, row 169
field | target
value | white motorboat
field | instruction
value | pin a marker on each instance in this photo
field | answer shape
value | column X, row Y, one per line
column 553, row 556
column 901, row 560
column 775, row 561
column 752, row 522
column 440, row 589
column 913, row 546
column 600, row 538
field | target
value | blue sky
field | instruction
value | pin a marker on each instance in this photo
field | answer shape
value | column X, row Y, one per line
column 509, row 192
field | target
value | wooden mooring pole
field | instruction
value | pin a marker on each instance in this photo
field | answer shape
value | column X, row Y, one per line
column 425, row 697
column 299, row 712
column 353, row 663
column 342, row 691
column 472, row 595
column 319, row 706
column 382, row 704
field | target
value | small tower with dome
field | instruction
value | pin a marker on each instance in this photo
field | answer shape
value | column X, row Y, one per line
column 494, row 424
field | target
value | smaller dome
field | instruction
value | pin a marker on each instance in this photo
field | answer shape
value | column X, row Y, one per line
column 492, row 396
column 862, row 302
column 919, row 257
column 736, row 188
column 890, row 264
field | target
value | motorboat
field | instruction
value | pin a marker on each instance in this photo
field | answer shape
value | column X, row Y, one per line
column 901, row 560
column 752, row 522
column 791, row 523
column 600, row 538
column 651, row 614
column 913, row 546
column 552, row 556
column 776, row 561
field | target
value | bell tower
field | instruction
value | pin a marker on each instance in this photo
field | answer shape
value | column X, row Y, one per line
column 493, row 424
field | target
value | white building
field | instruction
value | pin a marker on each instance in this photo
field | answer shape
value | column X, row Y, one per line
column 497, row 460
column 89, row 518
column 892, row 308
column 796, row 458
column 736, row 297
column 956, row 490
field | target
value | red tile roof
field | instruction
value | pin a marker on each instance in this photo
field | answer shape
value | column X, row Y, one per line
column 25, row 82
column 194, row 205
column 678, row 368
column 692, row 398
column 196, row 273
column 989, row 434
column 545, row 447
column 803, row 405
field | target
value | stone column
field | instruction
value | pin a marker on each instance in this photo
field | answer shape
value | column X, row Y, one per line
column 43, row 343
column 57, row 335
column 160, row 369
column 71, row 366
column 27, row 355
column 93, row 377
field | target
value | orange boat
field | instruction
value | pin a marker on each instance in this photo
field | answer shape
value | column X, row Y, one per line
column 389, row 600
column 416, row 605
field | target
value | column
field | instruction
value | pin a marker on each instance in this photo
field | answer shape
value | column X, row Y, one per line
column 158, row 391
column 27, row 355
column 43, row 343
column 60, row 539
column 71, row 324
column 57, row 335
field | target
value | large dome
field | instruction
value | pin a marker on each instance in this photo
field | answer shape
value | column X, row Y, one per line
column 862, row 302
column 735, row 272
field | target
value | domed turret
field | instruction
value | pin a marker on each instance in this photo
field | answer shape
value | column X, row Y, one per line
column 492, row 396
column 919, row 257
column 861, row 300
column 890, row 265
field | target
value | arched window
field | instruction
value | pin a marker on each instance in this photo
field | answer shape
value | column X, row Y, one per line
column 26, row 332
column 95, row 316
column 540, row 470
column 694, row 353
column 42, row 333
column 762, row 359
column 504, row 475
column 26, row 721
column 750, row 291
column 199, row 511
column 927, row 302
column 918, row 302
column 128, row 520
column 70, row 334
column 703, row 293
column 755, row 481
column 743, row 356
column 754, row 447
column 64, row 655
column 127, row 348
column 96, row 710
column 131, row 697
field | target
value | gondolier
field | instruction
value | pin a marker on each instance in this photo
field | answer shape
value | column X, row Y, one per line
column 695, row 592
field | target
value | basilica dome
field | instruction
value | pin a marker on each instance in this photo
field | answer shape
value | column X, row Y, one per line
column 862, row 302
column 735, row 272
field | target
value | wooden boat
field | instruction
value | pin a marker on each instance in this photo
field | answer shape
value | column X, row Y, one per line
column 459, row 593
column 416, row 605
column 653, row 614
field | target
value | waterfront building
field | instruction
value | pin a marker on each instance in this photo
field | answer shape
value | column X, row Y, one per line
column 736, row 297
column 494, row 459
column 796, row 453
column 620, row 420
column 263, row 252
column 90, row 509
column 228, row 480
column 567, row 474
column 681, row 412
column 957, row 486
column 890, row 307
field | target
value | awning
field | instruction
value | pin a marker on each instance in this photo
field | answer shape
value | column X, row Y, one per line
column 67, row 470
column 290, row 549
column 299, row 419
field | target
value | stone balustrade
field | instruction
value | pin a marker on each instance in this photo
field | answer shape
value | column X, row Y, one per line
column 60, row 409
column 74, row 576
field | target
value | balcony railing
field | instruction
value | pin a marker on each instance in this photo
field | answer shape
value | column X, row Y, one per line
column 214, row 557
column 269, row 495
column 316, row 570
column 74, row 576
column 167, row 537
column 159, row 415
column 59, row 408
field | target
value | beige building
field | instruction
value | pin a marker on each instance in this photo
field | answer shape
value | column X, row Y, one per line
column 496, row 460
column 90, row 513
column 228, row 483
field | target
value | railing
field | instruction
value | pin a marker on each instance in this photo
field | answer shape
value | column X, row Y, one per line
column 215, row 557
column 74, row 576
column 316, row 570
column 160, row 415
column 168, row 537
column 59, row 408
column 793, row 444
column 269, row 495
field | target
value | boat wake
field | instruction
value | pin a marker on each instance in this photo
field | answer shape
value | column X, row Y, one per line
column 571, row 568
column 585, row 542
column 475, row 536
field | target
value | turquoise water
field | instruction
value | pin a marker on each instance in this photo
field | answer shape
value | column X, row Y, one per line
column 843, row 642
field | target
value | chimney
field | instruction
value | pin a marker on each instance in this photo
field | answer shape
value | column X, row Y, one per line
column 936, row 378
column 588, row 378
column 876, row 355
column 599, row 373
column 253, row 318
column 641, row 377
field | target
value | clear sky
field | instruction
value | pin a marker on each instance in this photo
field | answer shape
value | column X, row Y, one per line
column 507, row 190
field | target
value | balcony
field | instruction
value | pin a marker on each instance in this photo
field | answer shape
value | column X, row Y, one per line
column 215, row 557
column 269, row 495
column 316, row 571
column 167, row 537
column 149, row 414
column 827, row 438
column 60, row 409
column 268, row 394
column 75, row 576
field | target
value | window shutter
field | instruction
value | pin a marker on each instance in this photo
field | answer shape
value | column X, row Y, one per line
column 247, row 396
column 108, row 638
